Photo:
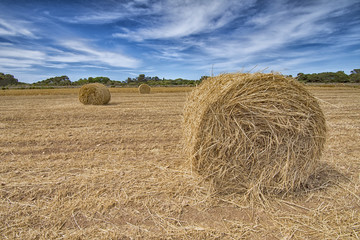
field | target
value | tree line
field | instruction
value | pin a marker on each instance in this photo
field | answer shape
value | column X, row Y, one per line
column 7, row 79
column 330, row 77
column 65, row 81
column 159, row 82
column 324, row 77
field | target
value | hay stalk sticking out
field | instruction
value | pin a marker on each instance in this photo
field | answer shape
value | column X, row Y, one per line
column 144, row 89
column 95, row 94
column 259, row 132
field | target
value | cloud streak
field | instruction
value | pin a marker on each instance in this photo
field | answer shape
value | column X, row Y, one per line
column 74, row 51
column 272, row 31
column 177, row 19
column 183, row 37
column 80, row 52
column 276, row 31
column 15, row 28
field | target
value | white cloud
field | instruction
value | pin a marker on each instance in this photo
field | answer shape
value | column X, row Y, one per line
column 79, row 51
column 17, row 63
column 15, row 57
column 273, row 31
column 268, row 34
column 53, row 57
column 14, row 52
column 179, row 34
column 176, row 19
column 16, row 28
column 271, row 40
column 108, row 12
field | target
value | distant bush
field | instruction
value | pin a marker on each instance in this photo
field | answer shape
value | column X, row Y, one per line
column 55, row 81
column 7, row 79
column 330, row 77
column 60, row 81
column 355, row 76
column 103, row 80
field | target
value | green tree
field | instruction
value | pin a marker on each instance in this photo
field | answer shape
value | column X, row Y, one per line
column 7, row 79
column 355, row 76
column 202, row 78
column 103, row 80
column 55, row 81
column 141, row 78
column 129, row 80
column 155, row 78
column 301, row 77
column 324, row 77
column 355, row 71
column 342, row 77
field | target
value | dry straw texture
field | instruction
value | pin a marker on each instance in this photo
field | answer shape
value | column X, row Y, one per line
column 144, row 88
column 253, row 133
column 118, row 172
column 95, row 94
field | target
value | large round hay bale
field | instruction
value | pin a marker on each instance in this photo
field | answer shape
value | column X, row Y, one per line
column 253, row 132
column 144, row 88
column 94, row 93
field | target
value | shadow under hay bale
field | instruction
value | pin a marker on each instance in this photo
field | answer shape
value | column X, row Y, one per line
column 94, row 94
column 253, row 133
column 326, row 176
column 144, row 89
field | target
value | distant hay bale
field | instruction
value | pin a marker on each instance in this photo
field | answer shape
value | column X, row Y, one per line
column 254, row 133
column 95, row 94
column 144, row 88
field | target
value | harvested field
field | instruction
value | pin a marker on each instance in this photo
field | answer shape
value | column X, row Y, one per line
column 118, row 171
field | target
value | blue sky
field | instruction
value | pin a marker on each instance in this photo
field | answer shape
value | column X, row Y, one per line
column 176, row 38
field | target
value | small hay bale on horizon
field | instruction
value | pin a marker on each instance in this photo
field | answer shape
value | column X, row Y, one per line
column 94, row 94
column 144, row 88
column 253, row 133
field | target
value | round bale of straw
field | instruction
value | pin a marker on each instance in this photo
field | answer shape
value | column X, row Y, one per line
column 94, row 94
column 253, row 132
column 144, row 89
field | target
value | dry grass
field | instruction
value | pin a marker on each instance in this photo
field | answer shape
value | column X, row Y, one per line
column 67, row 91
column 70, row 171
column 253, row 133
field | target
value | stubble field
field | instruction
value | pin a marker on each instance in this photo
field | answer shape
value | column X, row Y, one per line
column 70, row 171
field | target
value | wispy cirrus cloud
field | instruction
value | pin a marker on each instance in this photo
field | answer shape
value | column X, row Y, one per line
column 68, row 51
column 16, row 53
column 79, row 51
column 12, row 28
column 238, row 34
column 11, row 56
column 277, row 30
column 178, row 37
column 177, row 19
column 104, row 12
column 274, row 28
column 37, row 40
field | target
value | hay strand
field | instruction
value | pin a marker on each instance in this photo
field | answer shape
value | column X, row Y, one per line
column 94, row 94
column 144, row 89
column 254, row 133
